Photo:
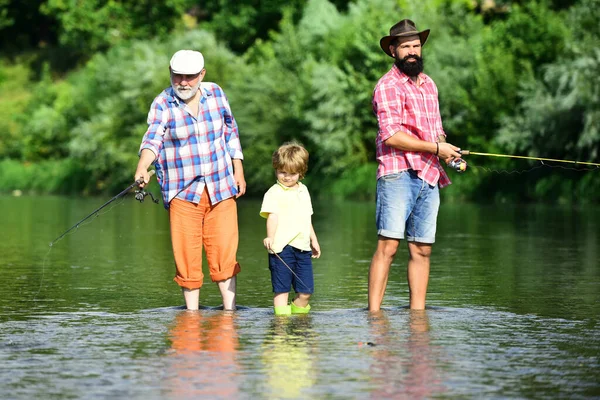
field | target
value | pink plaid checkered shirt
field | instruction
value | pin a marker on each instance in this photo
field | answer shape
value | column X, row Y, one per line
column 402, row 105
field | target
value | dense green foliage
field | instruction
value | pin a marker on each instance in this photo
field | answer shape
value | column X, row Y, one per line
column 514, row 79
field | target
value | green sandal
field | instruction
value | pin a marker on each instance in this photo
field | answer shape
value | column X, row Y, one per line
column 299, row 310
column 283, row 310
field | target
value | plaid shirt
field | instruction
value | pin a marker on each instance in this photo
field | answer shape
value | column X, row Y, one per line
column 403, row 105
column 193, row 152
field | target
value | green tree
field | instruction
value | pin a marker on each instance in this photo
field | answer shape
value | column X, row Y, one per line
column 14, row 100
column 5, row 18
column 313, row 82
column 511, row 55
column 528, row 70
column 239, row 23
column 95, row 25
column 559, row 116
column 23, row 27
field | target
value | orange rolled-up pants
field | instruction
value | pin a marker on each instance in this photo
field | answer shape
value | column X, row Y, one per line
column 214, row 227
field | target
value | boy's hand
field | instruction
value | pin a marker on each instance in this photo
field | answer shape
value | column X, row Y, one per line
column 268, row 242
column 316, row 249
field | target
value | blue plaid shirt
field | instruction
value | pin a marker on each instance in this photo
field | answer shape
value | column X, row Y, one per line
column 193, row 152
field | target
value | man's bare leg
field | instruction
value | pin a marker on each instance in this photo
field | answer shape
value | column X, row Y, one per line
column 380, row 269
column 228, row 288
column 418, row 273
column 192, row 298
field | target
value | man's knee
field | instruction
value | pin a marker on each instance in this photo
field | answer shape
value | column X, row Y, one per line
column 387, row 247
column 419, row 250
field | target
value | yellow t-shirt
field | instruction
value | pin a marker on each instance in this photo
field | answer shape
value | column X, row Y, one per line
column 293, row 209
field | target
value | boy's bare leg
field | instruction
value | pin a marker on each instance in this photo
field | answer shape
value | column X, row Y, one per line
column 380, row 269
column 192, row 298
column 227, row 289
column 301, row 299
column 280, row 299
column 418, row 273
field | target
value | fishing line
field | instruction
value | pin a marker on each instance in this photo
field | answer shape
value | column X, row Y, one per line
column 118, row 203
column 292, row 271
column 460, row 165
column 468, row 152
column 96, row 211
column 43, row 273
column 88, row 220
column 524, row 171
column 139, row 195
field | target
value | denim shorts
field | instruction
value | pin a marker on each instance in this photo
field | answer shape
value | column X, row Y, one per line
column 300, row 262
column 407, row 206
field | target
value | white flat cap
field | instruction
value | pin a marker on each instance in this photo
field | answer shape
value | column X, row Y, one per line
column 187, row 62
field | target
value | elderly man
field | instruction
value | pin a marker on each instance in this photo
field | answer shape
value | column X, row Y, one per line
column 410, row 142
column 192, row 140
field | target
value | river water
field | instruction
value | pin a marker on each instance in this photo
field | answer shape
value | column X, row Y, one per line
column 513, row 309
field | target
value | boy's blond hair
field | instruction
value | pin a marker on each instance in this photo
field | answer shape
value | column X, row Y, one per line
column 292, row 158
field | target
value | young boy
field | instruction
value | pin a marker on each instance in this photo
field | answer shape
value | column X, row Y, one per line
column 291, row 239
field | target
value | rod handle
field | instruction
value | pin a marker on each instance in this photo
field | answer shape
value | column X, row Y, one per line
column 464, row 152
column 141, row 180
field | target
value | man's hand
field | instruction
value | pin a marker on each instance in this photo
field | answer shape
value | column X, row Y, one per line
column 141, row 173
column 143, row 176
column 238, row 177
column 448, row 152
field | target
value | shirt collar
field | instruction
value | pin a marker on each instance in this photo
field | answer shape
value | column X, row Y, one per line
column 405, row 78
column 281, row 185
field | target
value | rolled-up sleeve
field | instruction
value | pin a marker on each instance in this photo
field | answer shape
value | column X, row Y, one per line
column 232, row 137
column 439, row 128
column 388, row 106
column 158, row 117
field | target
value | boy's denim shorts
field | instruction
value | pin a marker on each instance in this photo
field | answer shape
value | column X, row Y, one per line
column 300, row 262
column 407, row 206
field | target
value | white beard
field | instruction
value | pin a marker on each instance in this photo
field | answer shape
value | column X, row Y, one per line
column 185, row 92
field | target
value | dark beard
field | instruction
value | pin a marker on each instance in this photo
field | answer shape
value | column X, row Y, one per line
column 411, row 69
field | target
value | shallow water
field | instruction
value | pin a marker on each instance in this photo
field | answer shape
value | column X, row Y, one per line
column 513, row 309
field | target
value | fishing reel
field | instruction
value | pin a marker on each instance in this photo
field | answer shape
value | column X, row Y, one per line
column 458, row 164
column 140, row 194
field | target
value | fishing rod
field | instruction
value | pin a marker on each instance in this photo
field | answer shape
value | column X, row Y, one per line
column 461, row 165
column 139, row 195
column 467, row 152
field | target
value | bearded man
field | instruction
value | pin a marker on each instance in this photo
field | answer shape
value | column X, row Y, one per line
column 410, row 143
column 192, row 140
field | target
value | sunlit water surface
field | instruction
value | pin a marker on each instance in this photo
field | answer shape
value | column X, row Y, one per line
column 513, row 309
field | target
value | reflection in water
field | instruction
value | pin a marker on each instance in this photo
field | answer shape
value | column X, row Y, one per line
column 203, row 355
column 287, row 356
column 404, row 367
column 505, row 331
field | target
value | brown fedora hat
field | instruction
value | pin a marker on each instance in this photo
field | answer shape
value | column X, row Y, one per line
column 403, row 28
